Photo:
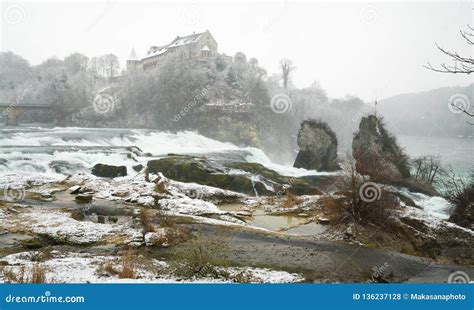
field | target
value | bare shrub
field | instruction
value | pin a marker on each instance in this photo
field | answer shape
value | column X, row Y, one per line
column 357, row 208
column 291, row 200
column 427, row 169
column 128, row 265
column 33, row 274
column 146, row 220
column 460, row 191
column 165, row 220
column 38, row 274
column 107, row 268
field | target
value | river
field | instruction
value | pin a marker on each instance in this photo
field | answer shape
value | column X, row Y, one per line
column 35, row 152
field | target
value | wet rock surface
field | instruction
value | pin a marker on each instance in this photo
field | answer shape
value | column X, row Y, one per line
column 243, row 177
column 377, row 153
column 318, row 147
column 108, row 171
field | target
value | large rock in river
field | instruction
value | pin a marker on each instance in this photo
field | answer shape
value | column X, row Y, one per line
column 242, row 177
column 108, row 171
column 318, row 147
column 377, row 152
column 198, row 170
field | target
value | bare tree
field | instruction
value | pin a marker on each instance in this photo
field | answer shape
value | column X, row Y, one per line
column 106, row 66
column 112, row 65
column 286, row 68
column 462, row 65
column 427, row 169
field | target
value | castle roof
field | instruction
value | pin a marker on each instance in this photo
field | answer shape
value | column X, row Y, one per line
column 178, row 41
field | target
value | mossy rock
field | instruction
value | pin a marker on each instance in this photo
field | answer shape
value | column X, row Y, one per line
column 298, row 186
column 32, row 244
column 196, row 170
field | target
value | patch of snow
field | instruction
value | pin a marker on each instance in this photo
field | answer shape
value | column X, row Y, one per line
column 186, row 205
column 430, row 220
column 85, row 268
column 264, row 275
column 61, row 226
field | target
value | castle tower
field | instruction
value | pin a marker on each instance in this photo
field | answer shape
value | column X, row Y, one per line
column 133, row 62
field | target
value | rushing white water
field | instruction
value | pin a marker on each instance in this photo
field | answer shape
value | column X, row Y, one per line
column 38, row 155
column 34, row 153
column 436, row 206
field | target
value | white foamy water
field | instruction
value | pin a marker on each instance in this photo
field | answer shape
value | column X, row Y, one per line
column 51, row 153
column 436, row 206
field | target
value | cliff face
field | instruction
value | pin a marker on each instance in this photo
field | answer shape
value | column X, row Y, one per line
column 377, row 153
column 239, row 129
column 318, row 147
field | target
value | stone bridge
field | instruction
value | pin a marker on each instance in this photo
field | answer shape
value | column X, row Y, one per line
column 11, row 111
column 104, row 101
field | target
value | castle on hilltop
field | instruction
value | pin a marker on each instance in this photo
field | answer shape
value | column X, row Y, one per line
column 200, row 46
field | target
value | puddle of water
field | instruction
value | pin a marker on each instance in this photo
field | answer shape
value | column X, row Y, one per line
column 10, row 240
column 231, row 207
column 278, row 222
column 309, row 229
column 274, row 222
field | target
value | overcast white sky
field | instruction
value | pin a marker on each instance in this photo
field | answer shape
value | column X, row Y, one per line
column 364, row 49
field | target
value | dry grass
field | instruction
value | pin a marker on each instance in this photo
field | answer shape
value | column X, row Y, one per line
column 128, row 265
column 34, row 274
column 291, row 200
column 146, row 219
column 165, row 220
column 332, row 208
column 161, row 187
column 77, row 214
column 108, row 269
column 202, row 257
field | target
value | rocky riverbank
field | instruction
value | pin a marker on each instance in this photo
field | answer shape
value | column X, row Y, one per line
column 186, row 218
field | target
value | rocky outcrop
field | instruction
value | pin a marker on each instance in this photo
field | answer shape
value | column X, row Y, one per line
column 318, row 147
column 241, row 177
column 237, row 128
column 196, row 170
column 108, row 171
column 377, row 152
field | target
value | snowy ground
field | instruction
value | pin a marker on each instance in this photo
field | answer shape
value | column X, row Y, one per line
column 86, row 268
